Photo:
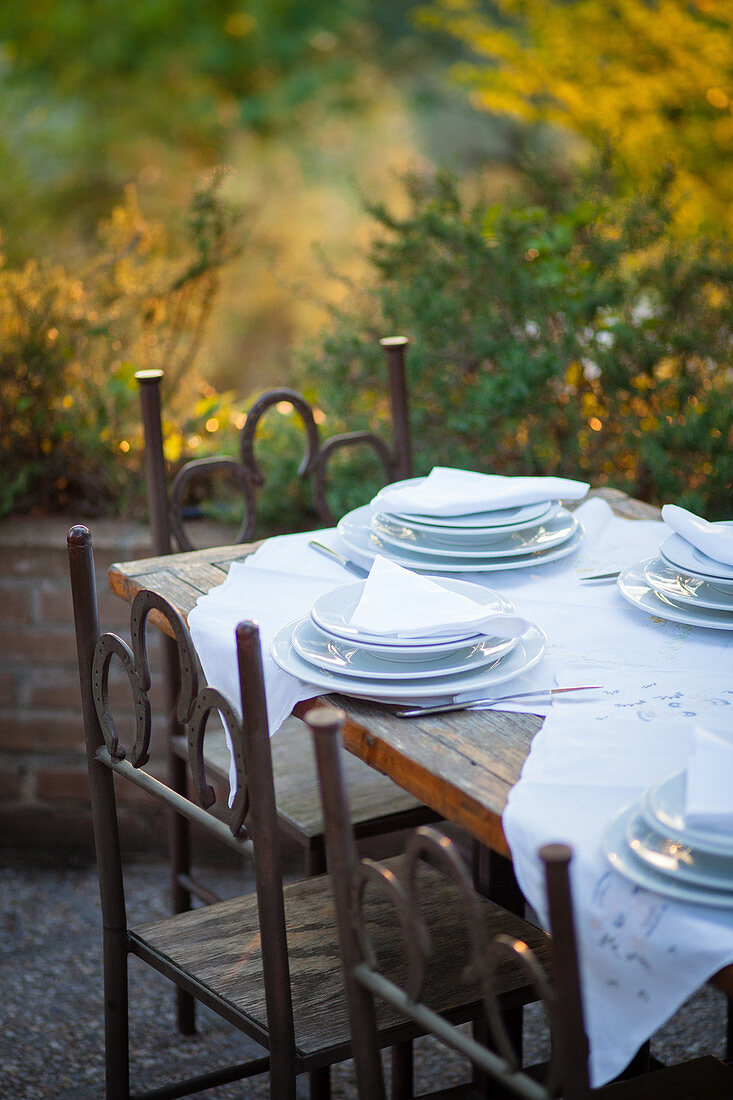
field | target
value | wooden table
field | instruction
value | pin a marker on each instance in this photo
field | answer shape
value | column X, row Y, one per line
column 461, row 765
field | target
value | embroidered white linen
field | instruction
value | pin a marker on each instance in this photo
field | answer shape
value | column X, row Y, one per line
column 449, row 492
column 569, row 791
column 713, row 539
column 401, row 604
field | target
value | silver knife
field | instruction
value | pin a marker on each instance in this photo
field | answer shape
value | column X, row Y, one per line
column 357, row 570
column 483, row 704
column 603, row 576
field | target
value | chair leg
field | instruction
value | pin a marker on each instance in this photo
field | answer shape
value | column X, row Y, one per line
column 180, row 849
column 729, row 1030
column 403, row 1083
column 320, row 1083
column 116, row 1034
column 315, row 861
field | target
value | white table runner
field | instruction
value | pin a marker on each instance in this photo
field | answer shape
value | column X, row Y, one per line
column 589, row 759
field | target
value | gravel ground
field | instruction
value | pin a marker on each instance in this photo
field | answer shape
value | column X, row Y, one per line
column 51, row 1035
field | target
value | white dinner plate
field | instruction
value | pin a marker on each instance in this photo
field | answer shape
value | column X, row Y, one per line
column 541, row 537
column 349, row 660
column 467, row 529
column 671, row 856
column 332, row 613
column 355, row 529
column 669, row 581
column 498, row 517
column 634, row 587
column 616, row 849
column 684, row 555
column 526, row 654
column 664, row 808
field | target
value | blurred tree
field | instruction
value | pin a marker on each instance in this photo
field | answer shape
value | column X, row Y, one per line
column 653, row 79
column 90, row 91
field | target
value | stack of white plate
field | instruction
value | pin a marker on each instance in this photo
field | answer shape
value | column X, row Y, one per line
column 651, row 844
column 507, row 538
column 326, row 650
column 681, row 584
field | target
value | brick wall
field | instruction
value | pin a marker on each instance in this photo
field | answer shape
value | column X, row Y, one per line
column 44, row 797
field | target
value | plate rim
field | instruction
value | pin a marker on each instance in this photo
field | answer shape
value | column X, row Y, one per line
column 505, row 605
column 665, row 610
column 701, row 838
column 537, row 557
column 420, row 478
column 727, row 580
column 426, row 689
column 408, row 669
column 683, row 874
column 692, row 601
column 632, row 869
column 430, row 523
column 558, row 540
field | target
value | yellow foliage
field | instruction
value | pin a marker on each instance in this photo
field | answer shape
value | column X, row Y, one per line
column 652, row 78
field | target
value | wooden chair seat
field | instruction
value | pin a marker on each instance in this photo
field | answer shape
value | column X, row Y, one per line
column 218, row 947
column 699, row 1079
column 375, row 799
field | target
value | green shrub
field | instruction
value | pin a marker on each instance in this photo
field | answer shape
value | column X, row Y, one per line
column 563, row 332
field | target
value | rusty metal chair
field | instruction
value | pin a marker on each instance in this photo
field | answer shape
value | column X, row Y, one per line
column 267, row 961
column 372, row 990
column 380, row 807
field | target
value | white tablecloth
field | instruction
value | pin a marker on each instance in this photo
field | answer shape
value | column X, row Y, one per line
column 641, row 954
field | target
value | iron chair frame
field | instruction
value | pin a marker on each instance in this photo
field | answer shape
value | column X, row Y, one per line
column 167, row 527
column 248, row 826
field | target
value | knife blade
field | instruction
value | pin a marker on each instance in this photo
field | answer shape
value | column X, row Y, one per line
column 352, row 566
column 483, row 704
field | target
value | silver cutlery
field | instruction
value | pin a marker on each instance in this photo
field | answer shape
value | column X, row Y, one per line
column 357, row 570
column 603, row 576
column 484, row 704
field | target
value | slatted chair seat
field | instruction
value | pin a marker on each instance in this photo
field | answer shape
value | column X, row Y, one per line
column 219, row 948
column 377, row 804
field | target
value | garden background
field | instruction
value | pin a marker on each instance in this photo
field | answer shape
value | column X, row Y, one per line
column 247, row 194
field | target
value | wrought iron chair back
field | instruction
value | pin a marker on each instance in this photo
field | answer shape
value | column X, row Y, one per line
column 367, row 985
column 249, row 825
column 167, row 515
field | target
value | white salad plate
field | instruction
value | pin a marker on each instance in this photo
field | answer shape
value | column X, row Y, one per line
column 617, row 850
column 349, row 660
column 635, row 588
column 466, row 528
column 684, row 555
column 668, row 580
column 498, row 517
column 356, row 531
column 671, row 856
column 664, row 809
column 527, row 652
column 332, row 613
column 542, row 537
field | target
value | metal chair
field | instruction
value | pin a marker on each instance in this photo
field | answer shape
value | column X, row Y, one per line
column 380, row 807
column 371, row 989
column 267, row 962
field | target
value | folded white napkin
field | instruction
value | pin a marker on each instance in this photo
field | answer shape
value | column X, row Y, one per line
column 448, row 492
column 398, row 603
column 713, row 539
column 709, row 797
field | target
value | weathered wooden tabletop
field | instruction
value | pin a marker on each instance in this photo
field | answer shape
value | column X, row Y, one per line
column 462, row 765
